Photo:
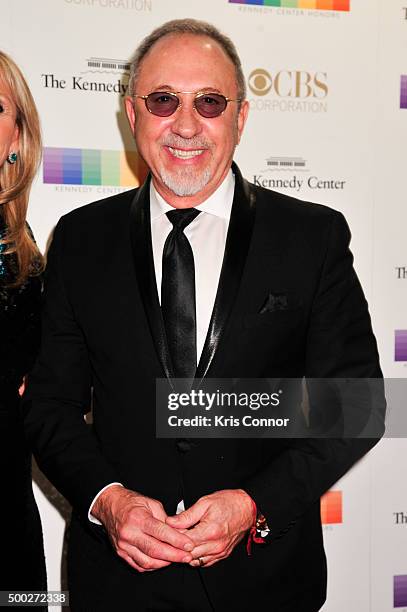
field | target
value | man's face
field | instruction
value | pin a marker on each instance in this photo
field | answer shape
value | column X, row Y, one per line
column 188, row 155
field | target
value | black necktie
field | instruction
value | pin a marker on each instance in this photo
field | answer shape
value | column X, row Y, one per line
column 178, row 294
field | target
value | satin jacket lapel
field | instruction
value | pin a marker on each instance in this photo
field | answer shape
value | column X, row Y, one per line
column 140, row 232
column 236, row 249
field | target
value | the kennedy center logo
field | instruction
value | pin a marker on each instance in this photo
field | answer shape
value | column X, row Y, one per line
column 293, row 174
column 288, row 90
column 287, row 163
column 321, row 5
column 331, row 508
column 403, row 91
column 107, row 65
column 400, row 591
column 99, row 75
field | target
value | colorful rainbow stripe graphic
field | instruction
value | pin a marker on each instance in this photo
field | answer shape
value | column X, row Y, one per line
column 400, row 341
column 331, row 508
column 321, row 5
column 403, row 91
column 400, row 591
column 90, row 167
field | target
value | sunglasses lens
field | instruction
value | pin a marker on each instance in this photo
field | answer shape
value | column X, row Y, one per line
column 210, row 105
column 162, row 104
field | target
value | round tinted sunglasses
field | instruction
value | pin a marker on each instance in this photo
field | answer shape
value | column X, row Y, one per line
column 165, row 103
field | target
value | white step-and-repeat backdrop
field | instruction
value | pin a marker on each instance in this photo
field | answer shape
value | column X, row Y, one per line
column 327, row 84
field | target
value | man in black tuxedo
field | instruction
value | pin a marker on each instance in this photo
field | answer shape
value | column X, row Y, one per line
column 197, row 272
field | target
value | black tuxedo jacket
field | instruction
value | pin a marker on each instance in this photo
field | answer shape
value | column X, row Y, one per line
column 103, row 331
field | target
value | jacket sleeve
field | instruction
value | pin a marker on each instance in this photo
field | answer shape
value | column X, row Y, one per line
column 340, row 344
column 58, row 396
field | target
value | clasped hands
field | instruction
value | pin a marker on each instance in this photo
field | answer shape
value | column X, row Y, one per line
column 144, row 536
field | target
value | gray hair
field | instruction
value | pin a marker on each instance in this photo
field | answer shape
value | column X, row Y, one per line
column 187, row 26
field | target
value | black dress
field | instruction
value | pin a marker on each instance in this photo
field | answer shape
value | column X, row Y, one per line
column 22, row 554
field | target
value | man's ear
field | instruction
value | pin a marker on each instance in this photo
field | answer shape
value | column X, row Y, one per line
column 130, row 112
column 241, row 119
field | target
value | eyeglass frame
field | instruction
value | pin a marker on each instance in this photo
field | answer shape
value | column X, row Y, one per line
column 197, row 94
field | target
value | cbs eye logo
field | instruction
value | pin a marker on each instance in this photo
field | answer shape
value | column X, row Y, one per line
column 260, row 82
column 289, row 83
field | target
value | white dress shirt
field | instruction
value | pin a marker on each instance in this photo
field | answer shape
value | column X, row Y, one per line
column 207, row 236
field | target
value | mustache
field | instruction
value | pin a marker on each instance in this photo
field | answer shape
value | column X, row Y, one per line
column 177, row 142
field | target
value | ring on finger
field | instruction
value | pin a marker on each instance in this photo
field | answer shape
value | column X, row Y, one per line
column 201, row 562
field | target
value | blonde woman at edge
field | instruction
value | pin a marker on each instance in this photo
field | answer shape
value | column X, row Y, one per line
column 22, row 553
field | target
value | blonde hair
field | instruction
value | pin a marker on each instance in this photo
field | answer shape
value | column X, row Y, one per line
column 16, row 179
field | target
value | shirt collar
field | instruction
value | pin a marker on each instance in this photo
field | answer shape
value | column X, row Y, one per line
column 218, row 204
